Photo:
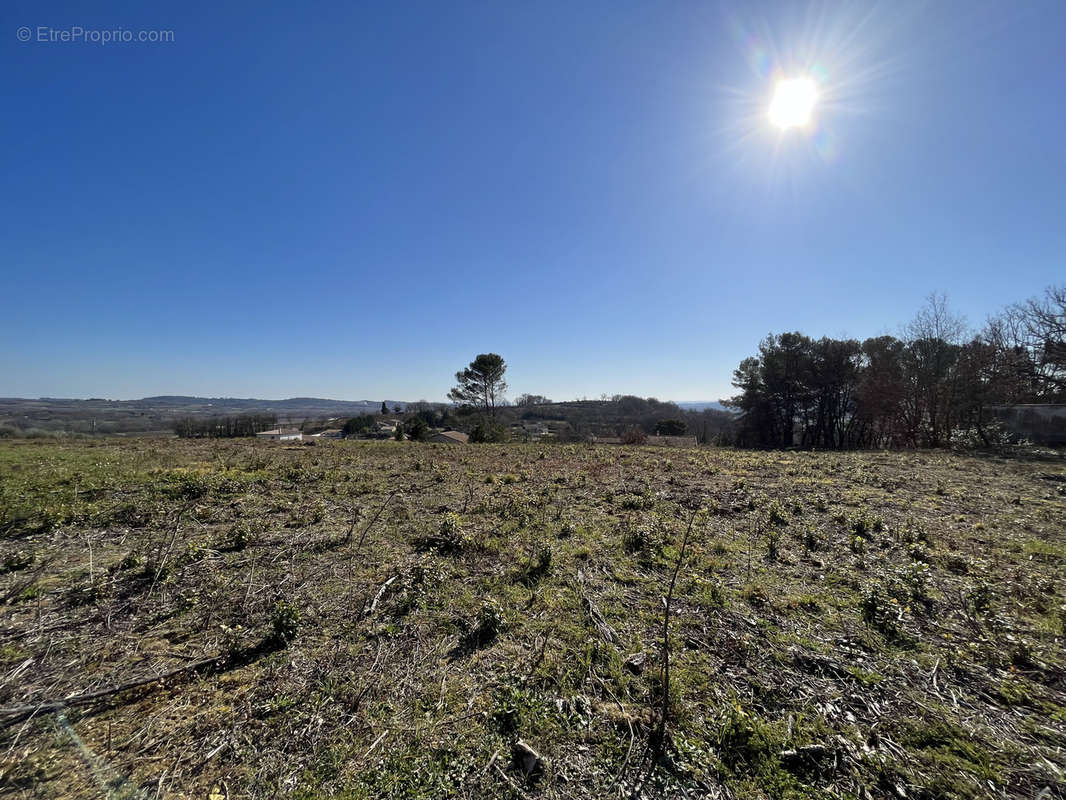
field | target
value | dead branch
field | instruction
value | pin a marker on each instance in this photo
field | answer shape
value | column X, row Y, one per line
column 13, row 714
column 664, row 712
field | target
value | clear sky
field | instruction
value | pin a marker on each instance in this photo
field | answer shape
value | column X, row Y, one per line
column 352, row 200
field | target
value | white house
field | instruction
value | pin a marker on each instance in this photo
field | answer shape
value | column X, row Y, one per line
column 332, row 433
column 279, row 434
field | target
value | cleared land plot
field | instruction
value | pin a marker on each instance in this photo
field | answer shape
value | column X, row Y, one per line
column 390, row 619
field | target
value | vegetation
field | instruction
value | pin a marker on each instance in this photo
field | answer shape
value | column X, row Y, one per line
column 671, row 427
column 631, row 418
column 532, row 400
column 481, row 384
column 224, row 427
column 234, row 618
column 928, row 389
column 96, row 416
column 364, row 423
column 621, row 415
column 416, row 429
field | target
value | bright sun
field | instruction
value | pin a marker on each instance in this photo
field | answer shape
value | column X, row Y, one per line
column 793, row 102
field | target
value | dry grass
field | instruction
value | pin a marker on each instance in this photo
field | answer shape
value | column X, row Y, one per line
column 390, row 619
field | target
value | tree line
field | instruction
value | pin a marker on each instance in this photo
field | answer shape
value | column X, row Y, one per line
column 480, row 388
column 925, row 388
column 227, row 427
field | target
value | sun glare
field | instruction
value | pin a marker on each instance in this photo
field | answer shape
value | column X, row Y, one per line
column 793, row 103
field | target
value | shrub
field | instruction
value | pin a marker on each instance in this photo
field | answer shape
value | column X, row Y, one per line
column 643, row 539
column 488, row 432
column 539, row 566
column 670, row 427
column 364, row 423
column 450, row 536
column 745, row 742
column 773, row 539
column 416, row 429
column 918, row 552
column 980, row 597
column 487, row 626
column 883, row 615
column 284, row 622
column 867, row 523
column 756, row 595
column 915, row 577
column 41, row 433
column 996, row 437
column 188, row 485
column 776, row 513
column 871, row 606
column 635, row 502
column 239, row 536
column 13, row 562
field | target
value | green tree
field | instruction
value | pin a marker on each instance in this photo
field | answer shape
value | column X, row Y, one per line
column 360, row 424
column 488, row 432
column 481, row 384
column 384, row 408
column 416, row 429
column 670, row 427
column 880, row 393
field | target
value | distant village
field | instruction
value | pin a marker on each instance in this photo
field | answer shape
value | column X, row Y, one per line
column 519, row 431
column 386, row 429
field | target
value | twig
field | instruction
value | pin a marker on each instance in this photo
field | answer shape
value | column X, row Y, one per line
column 13, row 714
column 21, row 586
column 170, row 545
column 620, row 774
column 594, row 614
column 381, row 593
column 369, row 525
column 377, row 741
column 510, row 782
column 664, row 712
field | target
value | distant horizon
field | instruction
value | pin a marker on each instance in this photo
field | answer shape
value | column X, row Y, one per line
column 552, row 400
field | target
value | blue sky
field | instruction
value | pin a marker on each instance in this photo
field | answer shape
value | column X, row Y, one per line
column 352, row 200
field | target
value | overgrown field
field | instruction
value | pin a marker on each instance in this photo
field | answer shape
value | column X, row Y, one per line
column 392, row 619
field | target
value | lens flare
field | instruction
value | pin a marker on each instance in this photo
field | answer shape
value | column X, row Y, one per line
column 793, row 103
